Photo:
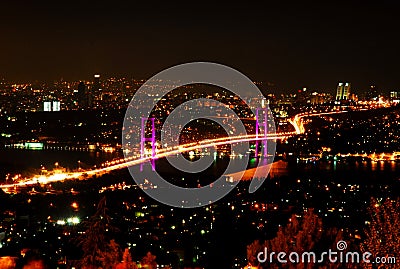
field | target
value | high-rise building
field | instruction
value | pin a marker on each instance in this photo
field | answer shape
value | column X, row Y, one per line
column 82, row 96
column 47, row 106
column 372, row 94
column 395, row 97
column 56, row 106
column 96, row 89
column 320, row 98
column 51, row 106
column 343, row 91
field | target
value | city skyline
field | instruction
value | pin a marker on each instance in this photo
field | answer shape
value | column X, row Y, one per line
column 266, row 86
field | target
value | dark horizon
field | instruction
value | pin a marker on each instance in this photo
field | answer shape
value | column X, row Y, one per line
column 291, row 46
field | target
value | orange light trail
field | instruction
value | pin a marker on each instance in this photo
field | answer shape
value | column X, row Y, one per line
column 165, row 152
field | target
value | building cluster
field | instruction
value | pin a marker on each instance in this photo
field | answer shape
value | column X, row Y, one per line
column 66, row 95
column 109, row 93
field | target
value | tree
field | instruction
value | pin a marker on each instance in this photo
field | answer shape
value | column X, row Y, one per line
column 383, row 232
column 301, row 234
column 298, row 235
column 94, row 241
column 7, row 262
column 252, row 250
column 111, row 257
column 34, row 264
column 127, row 262
column 149, row 261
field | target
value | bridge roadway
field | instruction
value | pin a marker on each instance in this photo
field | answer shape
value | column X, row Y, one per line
column 165, row 152
column 136, row 160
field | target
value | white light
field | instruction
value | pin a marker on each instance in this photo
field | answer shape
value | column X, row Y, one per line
column 73, row 220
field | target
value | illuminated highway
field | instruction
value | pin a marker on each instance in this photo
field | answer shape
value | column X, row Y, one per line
column 107, row 167
column 297, row 121
column 136, row 160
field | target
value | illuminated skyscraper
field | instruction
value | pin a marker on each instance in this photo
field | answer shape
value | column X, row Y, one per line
column 51, row 106
column 395, row 97
column 343, row 91
column 47, row 106
column 96, row 90
column 56, row 106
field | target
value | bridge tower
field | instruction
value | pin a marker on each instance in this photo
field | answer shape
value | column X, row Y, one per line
column 144, row 139
column 261, row 113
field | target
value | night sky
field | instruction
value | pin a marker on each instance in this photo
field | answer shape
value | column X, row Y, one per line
column 290, row 45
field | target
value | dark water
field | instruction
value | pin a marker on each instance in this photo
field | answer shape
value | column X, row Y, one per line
column 351, row 169
column 29, row 162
